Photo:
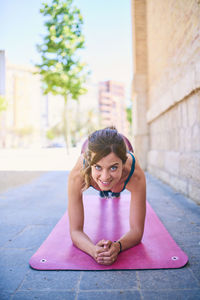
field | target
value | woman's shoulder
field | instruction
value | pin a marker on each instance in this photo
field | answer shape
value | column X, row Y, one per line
column 79, row 163
column 129, row 165
column 138, row 176
column 76, row 174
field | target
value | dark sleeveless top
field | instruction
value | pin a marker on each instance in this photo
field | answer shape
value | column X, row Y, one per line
column 131, row 171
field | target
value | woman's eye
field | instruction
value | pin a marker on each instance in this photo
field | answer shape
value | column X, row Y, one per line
column 113, row 168
column 98, row 168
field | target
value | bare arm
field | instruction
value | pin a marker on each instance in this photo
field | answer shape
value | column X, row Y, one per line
column 137, row 187
column 76, row 212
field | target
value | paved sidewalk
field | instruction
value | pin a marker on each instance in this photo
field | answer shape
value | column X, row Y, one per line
column 39, row 159
column 29, row 212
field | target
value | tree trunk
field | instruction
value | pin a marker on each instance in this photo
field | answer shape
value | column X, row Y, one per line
column 78, row 123
column 65, row 125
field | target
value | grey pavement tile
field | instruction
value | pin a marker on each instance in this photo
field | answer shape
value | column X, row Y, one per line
column 114, row 295
column 194, row 218
column 51, row 183
column 13, row 179
column 13, row 267
column 196, row 271
column 172, row 295
column 193, row 251
column 102, row 280
column 36, row 197
column 37, row 207
column 8, row 232
column 167, row 279
column 160, row 185
column 186, row 204
column 29, row 216
column 5, row 295
column 194, row 260
column 193, row 257
column 31, row 237
column 44, row 295
column 182, row 225
column 157, row 188
column 188, row 239
column 175, row 224
column 50, row 280
column 180, row 236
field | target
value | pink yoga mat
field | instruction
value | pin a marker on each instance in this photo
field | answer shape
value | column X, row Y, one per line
column 109, row 219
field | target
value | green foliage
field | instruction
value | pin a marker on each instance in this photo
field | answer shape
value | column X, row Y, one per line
column 55, row 131
column 129, row 114
column 3, row 104
column 24, row 131
column 50, row 134
column 61, row 70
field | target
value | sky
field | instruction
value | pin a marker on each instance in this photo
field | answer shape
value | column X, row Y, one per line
column 107, row 30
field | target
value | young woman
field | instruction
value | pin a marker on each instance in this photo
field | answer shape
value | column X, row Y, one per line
column 108, row 166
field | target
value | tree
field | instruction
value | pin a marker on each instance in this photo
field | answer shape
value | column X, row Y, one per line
column 129, row 118
column 3, row 104
column 61, row 70
column 129, row 115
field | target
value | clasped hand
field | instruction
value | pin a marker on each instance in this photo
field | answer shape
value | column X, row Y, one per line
column 106, row 252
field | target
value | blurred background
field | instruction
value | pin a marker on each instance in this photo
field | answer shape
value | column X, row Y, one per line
column 133, row 64
column 32, row 119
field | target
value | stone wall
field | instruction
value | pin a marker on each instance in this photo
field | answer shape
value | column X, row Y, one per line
column 174, row 150
column 139, row 91
column 172, row 92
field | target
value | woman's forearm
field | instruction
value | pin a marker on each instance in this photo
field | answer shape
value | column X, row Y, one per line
column 130, row 239
column 83, row 242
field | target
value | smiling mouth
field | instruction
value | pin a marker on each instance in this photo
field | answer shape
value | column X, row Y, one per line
column 105, row 183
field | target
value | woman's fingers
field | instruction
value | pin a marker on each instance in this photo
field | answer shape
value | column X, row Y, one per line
column 98, row 251
column 104, row 243
column 106, row 260
column 111, row 251
column 106, row 252
column 108, row 257
column 107, row 244
column 100, row 243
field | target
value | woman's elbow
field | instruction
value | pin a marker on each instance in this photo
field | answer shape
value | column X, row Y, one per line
column 137, row 237
column 74, row 233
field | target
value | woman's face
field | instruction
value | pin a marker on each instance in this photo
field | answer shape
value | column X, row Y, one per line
column 107, row 171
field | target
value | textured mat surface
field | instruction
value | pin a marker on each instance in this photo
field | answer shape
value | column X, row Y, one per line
column 109, row 219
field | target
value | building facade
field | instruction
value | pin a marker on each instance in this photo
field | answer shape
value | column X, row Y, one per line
column 112, row 108
column 21, row 121
column 29, row 113
column 166, row 91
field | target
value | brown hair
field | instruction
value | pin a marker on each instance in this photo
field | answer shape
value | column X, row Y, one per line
column 101, row 143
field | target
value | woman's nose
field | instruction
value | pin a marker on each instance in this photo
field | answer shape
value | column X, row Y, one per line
column 105, row 175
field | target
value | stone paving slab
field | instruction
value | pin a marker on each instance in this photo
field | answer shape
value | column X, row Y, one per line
column 29, row 212
column 55, row 280
column 112, row 294
column 45, row 295
column 173, row 295
column 110, row 280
